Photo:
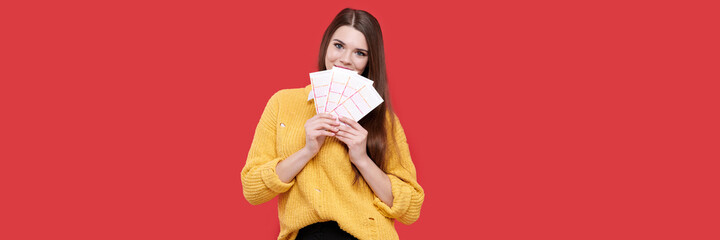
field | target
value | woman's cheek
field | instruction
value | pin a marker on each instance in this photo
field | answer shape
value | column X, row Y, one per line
column 361, row 64
column 332, row 54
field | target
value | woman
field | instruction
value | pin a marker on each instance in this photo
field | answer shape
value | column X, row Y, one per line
column 335, row 181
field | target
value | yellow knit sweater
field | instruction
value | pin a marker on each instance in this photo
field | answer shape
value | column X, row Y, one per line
column 323, row 190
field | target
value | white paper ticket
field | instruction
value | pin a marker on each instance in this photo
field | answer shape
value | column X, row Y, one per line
column 320, row 82
column 359, row 104
column 342, row 92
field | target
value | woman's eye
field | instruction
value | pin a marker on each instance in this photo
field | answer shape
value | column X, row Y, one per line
column 337, row 45
column 361, row 54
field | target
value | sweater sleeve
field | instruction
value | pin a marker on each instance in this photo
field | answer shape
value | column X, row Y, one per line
column 259, row 181
column 408, row 196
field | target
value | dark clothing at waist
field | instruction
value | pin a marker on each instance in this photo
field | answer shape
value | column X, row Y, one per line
column 323, row 231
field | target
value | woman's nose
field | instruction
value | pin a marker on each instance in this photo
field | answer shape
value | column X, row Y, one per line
column 345, row 58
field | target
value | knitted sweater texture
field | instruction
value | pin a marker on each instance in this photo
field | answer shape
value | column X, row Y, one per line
column 324, row 189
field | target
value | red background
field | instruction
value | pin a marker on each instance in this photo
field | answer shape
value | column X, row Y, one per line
column 526, row 119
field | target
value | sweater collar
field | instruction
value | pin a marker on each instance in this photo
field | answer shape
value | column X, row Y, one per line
column 308, row 91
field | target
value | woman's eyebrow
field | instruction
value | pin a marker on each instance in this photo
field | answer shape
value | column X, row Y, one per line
column 343, row 43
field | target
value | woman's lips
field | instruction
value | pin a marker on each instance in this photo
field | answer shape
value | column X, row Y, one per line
column 342, row 67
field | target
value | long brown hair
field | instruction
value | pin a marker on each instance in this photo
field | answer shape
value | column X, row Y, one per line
column 375, row 122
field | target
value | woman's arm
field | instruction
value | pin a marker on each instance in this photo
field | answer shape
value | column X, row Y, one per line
column 259, row 181
column 405, row 197
column 287, row 169
column 377, row 179
column 355, row 137
column 317, row 129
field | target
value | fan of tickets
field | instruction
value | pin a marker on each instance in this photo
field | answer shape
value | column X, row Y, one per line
column 343, row 92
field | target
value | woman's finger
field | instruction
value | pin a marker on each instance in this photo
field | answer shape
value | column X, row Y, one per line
column 349, row 135
column 325, row 116
column 318, row 133
column 342, row 138
column 324, row 126
column 351, row 123
column 327, row 133
column 343, row 133
column 321, row 123
column 348, row 129
column 325, row 120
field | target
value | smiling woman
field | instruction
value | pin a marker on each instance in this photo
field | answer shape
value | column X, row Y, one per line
column 348, row 50
column 333, row 180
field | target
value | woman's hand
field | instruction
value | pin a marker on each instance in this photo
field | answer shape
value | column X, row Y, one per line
column 355, row 137
column 317, row 128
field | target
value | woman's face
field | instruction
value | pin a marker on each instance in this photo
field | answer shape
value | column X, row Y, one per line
column 347, row 49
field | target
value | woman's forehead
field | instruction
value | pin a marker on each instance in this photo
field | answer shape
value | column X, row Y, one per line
column 350, row 36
